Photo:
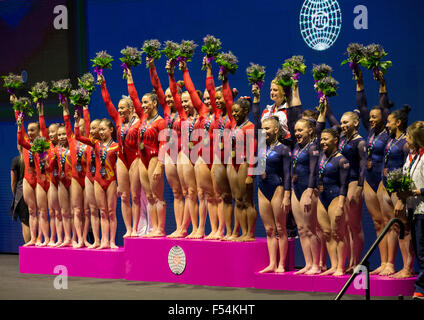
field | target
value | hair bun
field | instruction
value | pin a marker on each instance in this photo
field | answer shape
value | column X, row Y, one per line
column 357, row 112
column 406, row 108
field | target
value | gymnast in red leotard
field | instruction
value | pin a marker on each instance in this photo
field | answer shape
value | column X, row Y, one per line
column 78, row 154
column 173, row 111
column 30, row 176
column 151, row 169
column 90, row 208
column 61, row 163
column 241, row 182
column 201, row 138
column 105, row 188
column 127, row 123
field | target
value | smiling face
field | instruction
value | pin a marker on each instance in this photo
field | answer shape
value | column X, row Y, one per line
column 375, row 118
column 392, row 125
column 348, row 125
column 239, row 114
column 61, row 136
column 94, row 129
column 33, row 131
column 187, row 104
column 302, row 132
column 124, row 109
column 53, row 133
column 169, row 99
column 328, row 142
column 148, row 104
column 219, row 100
column 207, row 101
column 105, row 131
column 276, row 93
column 271, row 130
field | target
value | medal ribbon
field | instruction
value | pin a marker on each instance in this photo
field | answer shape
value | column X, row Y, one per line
column 145, row 126
column 323, row 164
column 389, row 147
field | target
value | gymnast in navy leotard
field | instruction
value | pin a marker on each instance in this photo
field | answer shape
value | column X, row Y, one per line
column 274, row 188
column 332, row 179
column 395, row 154
column 304, row 197
column 374, row 122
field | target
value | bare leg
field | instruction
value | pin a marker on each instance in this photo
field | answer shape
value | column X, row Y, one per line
column 94, row 212
column 157, row 187
column 101, row 200
column 65, row 205
column 30, row 200
column 41, row 196
column 325, row 225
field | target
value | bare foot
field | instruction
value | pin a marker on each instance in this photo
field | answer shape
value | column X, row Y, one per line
column 249, row 239
column 403, row 274
column 86, row 243
column 339, row 273
column 268, row 269
column 192, row 235
column 51, row 244
column 113, row 246
column 303, row 270
column 78, row 245
column 313, row 270
column 280, row 269
column 199, row 234
column 227, row 237
column 94, row 245
column 134, row 233
column 43, row 244
column 323, row 268
column 328, row 272
column 38, row 243
column 58, row 243
column 149, row 235
column 66, row 243
column 127, row 234
column 388, row 270
column 104, row 246
column 379, row 269
column 211, row 236
column 158, row 234
column 30, row 243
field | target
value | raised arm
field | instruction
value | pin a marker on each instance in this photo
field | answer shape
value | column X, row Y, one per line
column 154, row 79
column 87, row 120
column 228, row 97
column 384, row 99
column 41, row 121
column 21, row 136
column 210, row 87
column 90, row 141
column 200, row 107
column 332, row 120
column 134, row 96
column 295, row 97
column 361, row 101
column 66, row 118
column 174, row 92
column 256, row 108
column 108, row 102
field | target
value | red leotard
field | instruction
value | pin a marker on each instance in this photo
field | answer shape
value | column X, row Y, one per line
column 75, row 148
column 238, row 134
column 201, row 109
column 62, row 161
column 128, row 149
column 50, row 173
column 109, row 162
column 148, row 129
column 90, row 152
column 171, row 121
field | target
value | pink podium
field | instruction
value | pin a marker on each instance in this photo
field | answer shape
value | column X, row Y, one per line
column 197, row 262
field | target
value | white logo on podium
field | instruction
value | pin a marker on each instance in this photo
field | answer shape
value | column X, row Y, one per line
column 320, row 23
column 177, row 260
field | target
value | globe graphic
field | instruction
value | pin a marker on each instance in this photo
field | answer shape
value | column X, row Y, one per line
column 320, row 23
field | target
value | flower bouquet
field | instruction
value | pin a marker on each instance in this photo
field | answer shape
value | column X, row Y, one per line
column 211, row 48
column 131, row 58
column 326, row 87
column 79, row 98
column 152, row 50
column 284, row 77
column 398, row 182
column 87, row 82
column 355, row 52
column 186, row 50
column 40, row 91
column 227, row 62
column 12, row 82
column 102, row 61
column 41, row 147
column 171, row 51
column 23, row 105
column 256, row 74
column 321, row 71
column 63, row 88
column 297, row 63
column 373, row 55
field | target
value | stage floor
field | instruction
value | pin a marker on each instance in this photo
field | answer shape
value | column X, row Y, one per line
column 18, row 286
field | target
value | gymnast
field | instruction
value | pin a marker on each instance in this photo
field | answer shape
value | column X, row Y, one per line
column 273, row 188
column 105, row 189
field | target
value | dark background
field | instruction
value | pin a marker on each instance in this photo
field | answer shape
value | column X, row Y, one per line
column 264, row 32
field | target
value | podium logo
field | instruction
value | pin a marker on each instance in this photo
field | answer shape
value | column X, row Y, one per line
column 320, row 23
column 177, row 260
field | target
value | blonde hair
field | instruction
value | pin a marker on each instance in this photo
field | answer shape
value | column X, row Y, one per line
column 416, row 132
column 128, row 100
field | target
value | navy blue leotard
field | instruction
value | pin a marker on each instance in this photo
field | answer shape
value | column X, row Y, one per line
column 355, row 151
column 376, row 143
column 277, row 170
column 332, row 174
column 395, row 155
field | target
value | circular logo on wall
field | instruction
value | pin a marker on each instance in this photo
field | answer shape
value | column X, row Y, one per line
column 320, row 23
column 177, row 260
